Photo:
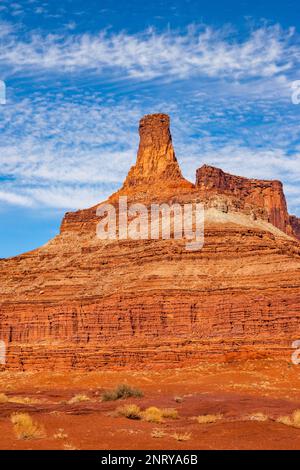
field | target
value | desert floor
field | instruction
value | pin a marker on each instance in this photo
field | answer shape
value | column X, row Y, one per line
column 246, row 400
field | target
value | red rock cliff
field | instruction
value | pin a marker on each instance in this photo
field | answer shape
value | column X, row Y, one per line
column 80, row 302
column 156, row 157
column 260, row 194
column 156, row 170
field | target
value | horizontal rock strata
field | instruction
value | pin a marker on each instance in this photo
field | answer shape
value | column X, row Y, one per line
column 80, row 302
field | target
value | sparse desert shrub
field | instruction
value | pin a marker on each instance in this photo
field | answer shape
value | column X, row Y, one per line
column 81, row 397
column 129, row 411
column 121, row 392
column 170, row 413
column 3, row 398
column 181, row 436
column 293, row 420
column 153, row 415
column 60, row 434
column 157, row 433
column 156, row 415
column 258, row 417
column 209, row 419
column 25, row 427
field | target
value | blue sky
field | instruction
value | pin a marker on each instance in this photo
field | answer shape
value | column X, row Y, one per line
column 80, row 74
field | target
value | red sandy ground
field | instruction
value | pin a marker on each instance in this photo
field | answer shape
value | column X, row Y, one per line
column 235, row 390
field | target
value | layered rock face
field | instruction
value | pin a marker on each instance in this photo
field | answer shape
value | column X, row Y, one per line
column 81, row 302
column 265, row 198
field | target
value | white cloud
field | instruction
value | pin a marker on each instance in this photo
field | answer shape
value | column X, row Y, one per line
column 71, row 155
column 66, row 196
column 202, row 52
column 63, row 152
column 15, row 199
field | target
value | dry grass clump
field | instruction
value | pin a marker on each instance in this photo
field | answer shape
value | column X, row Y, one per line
column 156, row 415
column 69, row 447
column 129, row 411
column 153, row 415
column 60, row 434
column 25, row 427
column 121, row 392
column 157, row 433
column 293, row 420
column 24, row 400
column 209, row 419
column 296, row 418
column 169, row 413
column 181, row 436
column 81, row 397
column 258, row 417
column 285, row 420
column 3, row 398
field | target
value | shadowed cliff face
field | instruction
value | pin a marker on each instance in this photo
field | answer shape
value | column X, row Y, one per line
column 81, row 302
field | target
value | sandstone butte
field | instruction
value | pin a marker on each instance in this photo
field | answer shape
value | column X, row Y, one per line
column 80, row 302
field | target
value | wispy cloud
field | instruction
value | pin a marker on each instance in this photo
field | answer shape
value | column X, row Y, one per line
column 64, row 154
column 15, row 199
column 69, row 150
column 198, row 51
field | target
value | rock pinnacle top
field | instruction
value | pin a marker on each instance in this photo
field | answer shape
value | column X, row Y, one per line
column 156, row 160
